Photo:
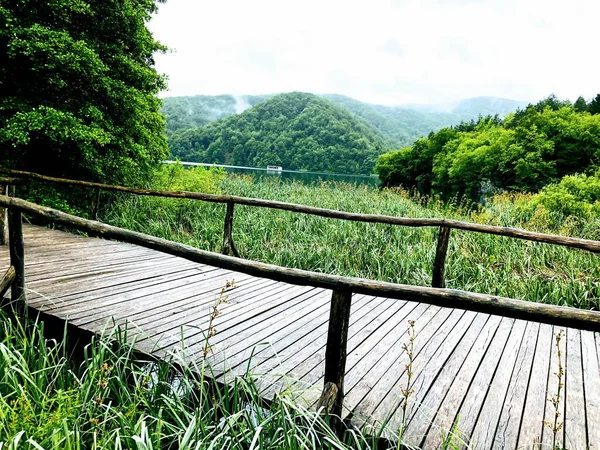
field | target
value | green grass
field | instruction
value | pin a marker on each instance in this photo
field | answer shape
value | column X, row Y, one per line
column 476, row 262
column 112, row 398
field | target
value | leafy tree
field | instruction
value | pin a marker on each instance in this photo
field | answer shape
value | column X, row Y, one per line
column 78, row 89
column 580, row 104
column 526, row 151
column 594, row 106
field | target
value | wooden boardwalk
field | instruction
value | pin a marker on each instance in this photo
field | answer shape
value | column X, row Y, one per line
column 494, row 376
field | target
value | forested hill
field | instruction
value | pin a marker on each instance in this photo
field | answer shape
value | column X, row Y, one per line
column 297, row 131
column 398, row 125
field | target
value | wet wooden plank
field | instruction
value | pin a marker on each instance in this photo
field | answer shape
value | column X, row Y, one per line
column 591, row 382
column 532, row 419
column 574, row 427
column 487, row 421
column 507, row 431
column 426, row 402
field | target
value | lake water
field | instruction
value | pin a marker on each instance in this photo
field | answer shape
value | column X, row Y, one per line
column 293, row 175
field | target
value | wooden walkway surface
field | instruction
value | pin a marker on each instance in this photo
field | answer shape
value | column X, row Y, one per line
column 493, row 376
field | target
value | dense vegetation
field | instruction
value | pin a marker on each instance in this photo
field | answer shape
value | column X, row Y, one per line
column 527, row 151
column 476, row 262
column 109, row 397
column 297, row 131
column 78, row 89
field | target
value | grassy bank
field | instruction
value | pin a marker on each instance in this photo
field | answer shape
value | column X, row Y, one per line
column 476, row 262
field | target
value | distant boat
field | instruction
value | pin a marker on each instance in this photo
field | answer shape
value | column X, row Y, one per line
column 274, row 168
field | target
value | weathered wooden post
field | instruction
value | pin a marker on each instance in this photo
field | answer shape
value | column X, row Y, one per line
column 228, row 244
column 17, row 256
column 3, row 218
column 332, row 398
column 96, row 203
column 439, row 278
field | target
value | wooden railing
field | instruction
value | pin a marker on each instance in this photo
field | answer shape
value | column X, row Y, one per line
column 342, row 287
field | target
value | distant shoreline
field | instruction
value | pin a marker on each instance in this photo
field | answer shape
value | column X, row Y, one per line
column 225, row 166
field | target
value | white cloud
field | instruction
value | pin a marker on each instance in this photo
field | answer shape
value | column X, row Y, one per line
column 390, row 52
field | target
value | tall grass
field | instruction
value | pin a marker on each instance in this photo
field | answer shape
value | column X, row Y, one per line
column 109, row 397
column 476, row 262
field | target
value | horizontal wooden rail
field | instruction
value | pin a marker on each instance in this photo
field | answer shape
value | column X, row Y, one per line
column 451, row 298
column 584, row 244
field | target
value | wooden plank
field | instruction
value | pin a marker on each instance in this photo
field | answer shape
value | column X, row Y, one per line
column 447, row 411
column 532, row 419
column 426, row 402
column 149, row 303
column 591, row 384
column 487, row 421
column 246, row 330
column 309, row 333
column 189, row 312
column 575, row 435
column 239, row 346
column 507, row 431
column 74, row 292
column 51, row 271
column 427, row 362
column 281, row 375
column 367, row 393
column 549, row 438
column 233, row 318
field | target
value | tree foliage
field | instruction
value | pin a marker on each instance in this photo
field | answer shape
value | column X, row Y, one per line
column 78, row 88
column 526, row 151
column 297, row 131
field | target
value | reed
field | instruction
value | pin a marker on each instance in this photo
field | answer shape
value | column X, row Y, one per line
column 476, row 262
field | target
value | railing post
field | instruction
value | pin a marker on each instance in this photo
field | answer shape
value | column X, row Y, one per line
column 17, row 256
column 332, row 397
column 228, row 244
column 439, row 278
column 3, row 217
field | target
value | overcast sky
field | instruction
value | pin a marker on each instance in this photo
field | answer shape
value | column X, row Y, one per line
column 388, row 52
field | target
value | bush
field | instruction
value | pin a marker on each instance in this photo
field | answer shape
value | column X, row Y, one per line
column 574, row 195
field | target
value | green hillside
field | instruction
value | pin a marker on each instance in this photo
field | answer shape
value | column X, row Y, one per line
column 297, row 131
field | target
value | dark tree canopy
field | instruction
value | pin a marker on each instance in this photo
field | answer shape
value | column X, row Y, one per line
column 78, row 88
